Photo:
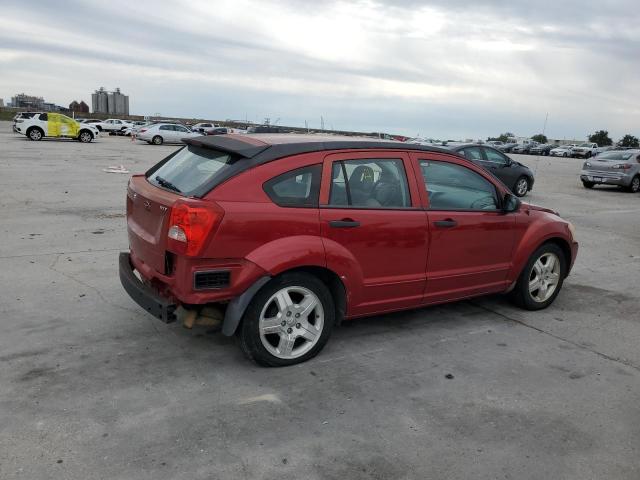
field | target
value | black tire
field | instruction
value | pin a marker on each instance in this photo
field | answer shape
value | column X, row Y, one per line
column 248, row 331
column 157, row 140
column 99, row 128
column 521, row 295
column 85, row 136
column 588, row 184
column 587, row 155
column 634, row 187
column 565, row 155
column 35, row 134
column 518, row 188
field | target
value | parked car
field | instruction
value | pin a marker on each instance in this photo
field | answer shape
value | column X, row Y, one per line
column 507, row 147
column 495, row 143
column 201, row 127
column 115, row 125
column 561, row 151
column 218, row 131
column 541, row 149
column 523, row 148
column 93, row 121
column 22, row 116
column 616, row 167
column 517, row 177
column 49, row 124
column 265, row 129
column 159, row 133
column 584, row 150
column 286, row 236
column 134, row 127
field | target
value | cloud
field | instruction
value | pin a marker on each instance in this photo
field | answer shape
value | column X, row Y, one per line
column 442, row 68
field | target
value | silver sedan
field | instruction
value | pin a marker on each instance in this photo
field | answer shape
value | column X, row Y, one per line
column 616, row 167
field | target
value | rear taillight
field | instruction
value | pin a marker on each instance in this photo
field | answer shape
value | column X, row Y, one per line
column 142, row 130
column 623, row 166
column 190, row 226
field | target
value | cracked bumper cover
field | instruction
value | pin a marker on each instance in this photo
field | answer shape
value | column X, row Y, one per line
column 145, row 296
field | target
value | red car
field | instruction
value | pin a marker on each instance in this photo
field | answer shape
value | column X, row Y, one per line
column 288, row 235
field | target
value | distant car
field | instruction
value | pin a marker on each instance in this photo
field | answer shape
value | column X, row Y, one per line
column 584, row 150
column 159, row 133
column 135, row 126
column 201, row 127
column 48, row 124
column 93, row 121
column 516, row 176
column 561, row 151
column 266, row 129
column 507, row 147
column 495, row 143
column 115, row 125
column 218, row 131
column 22, row 116
column 616, row 167
column 541, row 149
column 523, row 148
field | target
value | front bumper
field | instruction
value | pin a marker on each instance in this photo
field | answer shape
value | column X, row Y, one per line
column 145, row 296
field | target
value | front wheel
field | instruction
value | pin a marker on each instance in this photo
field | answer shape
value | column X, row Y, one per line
column 588, row 184
column 634, row 187
column 157, row 140
column 541, row 279
column 522, row 187
column 288, row 321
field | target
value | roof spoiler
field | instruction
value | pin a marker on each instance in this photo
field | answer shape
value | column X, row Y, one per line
column 228, row 143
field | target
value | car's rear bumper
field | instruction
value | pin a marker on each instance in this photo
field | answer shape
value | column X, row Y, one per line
column 145, row 296
column 606, row 178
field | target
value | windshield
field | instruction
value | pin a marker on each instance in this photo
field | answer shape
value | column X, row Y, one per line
column 189, row 169
column 585, row 145
column 615, row 156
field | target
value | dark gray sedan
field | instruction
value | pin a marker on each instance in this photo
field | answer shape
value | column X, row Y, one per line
column 615, row 167
column 516, row 176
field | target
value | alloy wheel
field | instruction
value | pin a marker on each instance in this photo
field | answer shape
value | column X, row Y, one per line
column 544, row 277
column 291, row 322
column 522, row 187
column 635, row 185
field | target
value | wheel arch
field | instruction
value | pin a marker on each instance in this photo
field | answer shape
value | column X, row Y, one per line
column 34, row 127
column 86, row 130
column 525, row 251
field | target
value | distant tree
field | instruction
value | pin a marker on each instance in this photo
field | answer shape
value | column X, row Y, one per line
column 504, row 137
column 601, row 137
column 540, row 138
column 629, row 141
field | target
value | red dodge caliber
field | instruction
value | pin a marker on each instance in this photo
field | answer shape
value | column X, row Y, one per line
column 288, row 235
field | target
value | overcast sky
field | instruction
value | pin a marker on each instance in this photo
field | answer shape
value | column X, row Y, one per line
column 454, row 69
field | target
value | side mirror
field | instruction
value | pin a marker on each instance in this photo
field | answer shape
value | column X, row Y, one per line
column 510, row 203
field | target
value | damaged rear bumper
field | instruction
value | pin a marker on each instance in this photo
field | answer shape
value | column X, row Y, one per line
column 145, row 296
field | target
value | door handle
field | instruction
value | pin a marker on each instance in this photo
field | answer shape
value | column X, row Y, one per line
column 344, row 223
column 448, row 223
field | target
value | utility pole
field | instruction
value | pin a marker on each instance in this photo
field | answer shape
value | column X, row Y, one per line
column 321, row 123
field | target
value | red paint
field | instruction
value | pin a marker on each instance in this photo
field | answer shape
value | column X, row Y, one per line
column 395, row 259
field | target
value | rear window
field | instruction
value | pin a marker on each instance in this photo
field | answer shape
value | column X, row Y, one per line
column 614, row 156
column 190, row 170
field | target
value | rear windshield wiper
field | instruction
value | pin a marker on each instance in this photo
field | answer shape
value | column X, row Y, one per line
column 167, row 184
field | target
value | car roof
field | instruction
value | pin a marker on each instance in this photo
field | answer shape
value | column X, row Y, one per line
column 261, row 148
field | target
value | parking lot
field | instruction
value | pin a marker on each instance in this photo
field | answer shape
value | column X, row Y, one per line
column 92, row 387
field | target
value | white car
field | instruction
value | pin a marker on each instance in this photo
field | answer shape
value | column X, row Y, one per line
column 561, row 151
column 584, row 150
column 160, row 133
column 202, row 126
column 134, row 127
column 49, row 124
column 115, row 125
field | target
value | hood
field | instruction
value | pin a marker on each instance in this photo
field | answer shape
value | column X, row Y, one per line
column 538, row 208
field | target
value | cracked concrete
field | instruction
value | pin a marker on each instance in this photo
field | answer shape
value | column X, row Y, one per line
column 92, row 387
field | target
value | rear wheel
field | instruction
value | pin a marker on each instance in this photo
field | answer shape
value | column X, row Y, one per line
column 157, row 140
column 35, row 134
column 541, row 279
column 588, row 184
column 522, row 186
column 85, row 136
column 288, row 321
column 634, row 187
column 587, row 155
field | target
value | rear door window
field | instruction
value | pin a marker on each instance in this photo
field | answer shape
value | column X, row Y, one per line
column 190, row 170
